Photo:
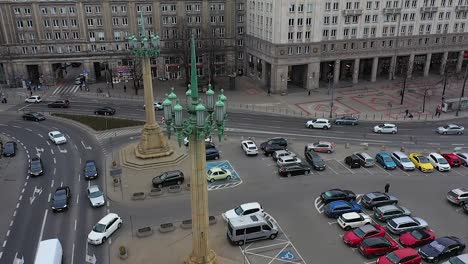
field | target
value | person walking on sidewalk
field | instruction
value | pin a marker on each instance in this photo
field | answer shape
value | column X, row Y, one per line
column 125, row 88
column 269, row 92
column 406, row 112
column 387, row 186
column 438, row 110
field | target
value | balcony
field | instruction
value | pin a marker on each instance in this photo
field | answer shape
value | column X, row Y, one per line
column 395, row 10
column 461, row 8
column 352, row 12
column 429, row 9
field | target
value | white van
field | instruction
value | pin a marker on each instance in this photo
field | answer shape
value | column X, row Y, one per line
column 49, row 252
column 250, row 228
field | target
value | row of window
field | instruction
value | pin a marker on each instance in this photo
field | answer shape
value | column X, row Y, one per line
column 392, row 4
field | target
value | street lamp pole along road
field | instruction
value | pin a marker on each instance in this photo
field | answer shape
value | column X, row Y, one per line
column 153, row 143
column 197, row 127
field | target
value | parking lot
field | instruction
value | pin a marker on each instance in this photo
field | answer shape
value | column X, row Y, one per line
column 222, row 184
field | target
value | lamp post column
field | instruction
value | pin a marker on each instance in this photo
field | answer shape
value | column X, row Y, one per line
column 148, row 92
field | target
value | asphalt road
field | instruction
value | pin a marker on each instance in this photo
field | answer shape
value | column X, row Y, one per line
column 33, row 219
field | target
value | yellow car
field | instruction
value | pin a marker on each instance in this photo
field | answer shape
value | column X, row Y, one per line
column 421, row 162
column 215, row 174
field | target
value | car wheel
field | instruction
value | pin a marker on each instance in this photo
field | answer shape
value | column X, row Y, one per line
column 306, row 172
column 273, row 236
column 159, row 186
column 444, row 133
column 385, row 167
column 310, row 126
column 347, row 228
column 228, row 177
column 393, row 132
column 437, row 168
column 379, row 131
column 119, row 225
column 211, row 180
column 459, row 133
column 240, row 243
column 461, row 203
column 103, row 240
column 217, row 157
column 328, row 151
column 420, row 168
column 179, row 182
column 95, row 113
column 353, row 124
column 289, row 175
column 325, row 127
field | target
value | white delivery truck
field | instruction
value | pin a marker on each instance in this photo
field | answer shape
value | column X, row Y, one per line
column 49, row 252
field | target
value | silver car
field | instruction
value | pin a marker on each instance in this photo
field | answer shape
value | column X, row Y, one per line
column 458, row 196
column 95, row 196
column 402, row 161
column 460, row 259
column 386, row 212
column 405, row 223
column 286, row 160
column 450, row 129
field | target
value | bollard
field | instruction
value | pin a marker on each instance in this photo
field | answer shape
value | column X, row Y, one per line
column 382, row 148
column 347, row 145
column 402, row 149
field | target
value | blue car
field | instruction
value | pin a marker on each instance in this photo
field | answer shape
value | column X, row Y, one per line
column 384, row 159
column 337, row 208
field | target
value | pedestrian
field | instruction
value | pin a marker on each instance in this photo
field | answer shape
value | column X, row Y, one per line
column 308, row 93
column 30, row 93
column 125, row 88
column 269, row 92
column 438, row 110
column 387, row 186
column 5, row 99
column 406, row 112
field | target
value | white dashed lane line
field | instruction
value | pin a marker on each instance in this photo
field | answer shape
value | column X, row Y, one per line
column 40, row 135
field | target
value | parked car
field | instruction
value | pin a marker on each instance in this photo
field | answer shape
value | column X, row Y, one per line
column 383, row 213
column 9, row 149
column 336, row 195
column 421, row 162
column 452, row 159
column 95, row 196
column 465, row 208
column 61, row 199
column 33, row 99
column 450, row 129
column 287, row 160
column 106, row 110
column 458, row 196
column 35, row 167
column 269, row 149
column 208, row 139
column 352, row 220
column 243, row 210
column 464, row 158
column 59, row 104
column 417, row 237
column 438, row 162
column 57, row 137
column 402, row 224
column 276, row 141
column 293, row 170
column 354, row 237
column 90, row 170
column 347, row 120
column 352, row 161
column 212, row 154
column 168, row 178
column 376, row 199
column 401, row 256
column 315, row 160
column 403, row 161
column 321, row 123
column 386, row 128
column 442, row 248
column 365, row 159
column 249, row 147
column 104, row 229
column 337, row 208
column 385, row 160
column 216, row 174
column 282, row 153
column 33, row 116
column 156, row 104
column 460, row 259
column 321, row 146
column 377, row 246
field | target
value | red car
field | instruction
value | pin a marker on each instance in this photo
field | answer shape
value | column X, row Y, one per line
column 452, row 159
column 376, row 246
column 417, row 237
column 354, row 237
column 401, row 256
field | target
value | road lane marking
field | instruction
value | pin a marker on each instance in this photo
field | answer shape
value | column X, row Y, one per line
column 48, row 199
column 55, row 161
column 62, row 150
column 22, row 191
column 458, row 144
column 28, row 129
column 43, row 226
column 1, row 254
column 86, row 147
column 75, row 230
column 89, row 184
column 11, row 223
column 75, row 147
column 77, row 197
column 52, row 151
column 73, row 251
column 61, row 184
column 14, row 213
column 80, row 160
column 55, row 170
column 8, row 233
column 79, row 177
column 17, row 205
column 21, row 197
column 4, row 243
column 52, row 183
column 40, row 135
column 48, row 143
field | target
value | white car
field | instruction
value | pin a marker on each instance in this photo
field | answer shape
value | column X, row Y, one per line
column 95, row 196
column 352, row 220
column 464, row 158
column 157, row 105
column 439, row 162
column 286, row 160
column 57, row 137
column 209, row 139
column 281, row 153
column 460, row 259
column 318, row 123
column 242, row 210
column 33, row 99
column 104, row 229
column 249, row 147
column 386, row 128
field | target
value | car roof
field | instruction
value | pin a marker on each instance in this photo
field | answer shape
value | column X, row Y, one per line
column 388, row 207
column 35, row 159
column 93, row 188
column 416, row 154
column 367, row 228
column 383, row 154
column 55, row 132
column 403, row 252
column 373, row 195
column 349, row 216
column 339, row 203
column 400, row 154
column 281, row 151
column 463, row 257
column 388, row 124
column 437, row 155
column 107, row 218
column 321, row 119
column 403, row 219
column 451, row 155
column 460, row 190
column 248, row 142
column 252, row 205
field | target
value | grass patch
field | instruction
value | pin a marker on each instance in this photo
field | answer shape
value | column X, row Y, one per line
column 100, row 123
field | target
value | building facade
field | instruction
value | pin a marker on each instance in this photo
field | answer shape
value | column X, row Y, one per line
column 311, row 42
column 39, row 38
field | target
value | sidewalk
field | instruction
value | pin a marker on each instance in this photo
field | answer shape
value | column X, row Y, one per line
column 378, row 101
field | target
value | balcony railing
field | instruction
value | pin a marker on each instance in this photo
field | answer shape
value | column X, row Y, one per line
column 461, row 8
column 429, row 9
column 352, row 12
column 395, row 10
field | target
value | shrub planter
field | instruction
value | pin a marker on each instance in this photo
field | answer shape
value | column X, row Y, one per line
column 175, row 189
column 212, row 220
column 123, row 253
column 155, row 192
column 139, row 196
column 187, row 187
column 167, row 227
column 186, row 224
column 144, row 231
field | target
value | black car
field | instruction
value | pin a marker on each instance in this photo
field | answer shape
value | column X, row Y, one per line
column 441, row 248
column 274, row 141
column 90, row 170
column 212, row 154
column 61, row 199
column 293, row 170
column 347, row 120
column 465, row 208
column 168, row 178
column 35, row 167
column 9, row 149
column 315, row 160
column 376, row 199
column 337, row 194
column 353, row 161
column 209, row 145
column 33, row 116
column 59, row 104
column 268, row 149
column 106, row 110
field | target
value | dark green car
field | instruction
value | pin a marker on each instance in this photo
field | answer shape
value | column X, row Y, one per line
column 347, row 120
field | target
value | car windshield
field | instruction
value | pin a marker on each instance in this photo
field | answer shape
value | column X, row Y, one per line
column 60, row 195
column 359, row 233
column 210, row 172
column 238, row 210
column 456, row 260
column 423, row 159
column 416, row 234
column 223, row 170
column 99, row 228
column 387, row 159
column 405, row 160
column 35, row 165
column 163, row 177
column 90, row 167
column 442, row 161
column 58, row 135
column 446, row 126
column 393, row 258
column 95, row 194
column 437, row 246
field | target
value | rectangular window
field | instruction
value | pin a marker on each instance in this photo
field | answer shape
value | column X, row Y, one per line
column 46, row 23
column 43, row 10
column 309, row 8
column 292, row 7
column 51, row 49
column 71, row 10
column 64, row 23
column 76, row 35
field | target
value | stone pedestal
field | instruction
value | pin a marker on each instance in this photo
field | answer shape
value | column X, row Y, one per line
column 209, row 259
column 153, row 143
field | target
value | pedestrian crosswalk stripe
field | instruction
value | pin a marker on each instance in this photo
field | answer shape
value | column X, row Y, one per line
column 62, row 90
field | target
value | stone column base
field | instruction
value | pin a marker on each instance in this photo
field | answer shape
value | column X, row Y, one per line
column 153, row 143
column 211, row 258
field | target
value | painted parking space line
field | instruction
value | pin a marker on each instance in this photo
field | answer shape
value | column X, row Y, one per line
column 346, row 167
column 318, row 205
column 382, row 169
column 223, row 184
column 330, row 167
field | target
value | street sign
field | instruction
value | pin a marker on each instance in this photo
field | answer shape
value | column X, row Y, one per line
column 286, row 255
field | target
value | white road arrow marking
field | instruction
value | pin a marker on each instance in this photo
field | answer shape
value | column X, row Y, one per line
column 89, row 258
column 86, row 147
column 62, row 150
column 33, row 197
column 39, row 151
column 18, row 260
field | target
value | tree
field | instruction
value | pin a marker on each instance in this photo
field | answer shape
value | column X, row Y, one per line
column 182, row 40
column 136, row 71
